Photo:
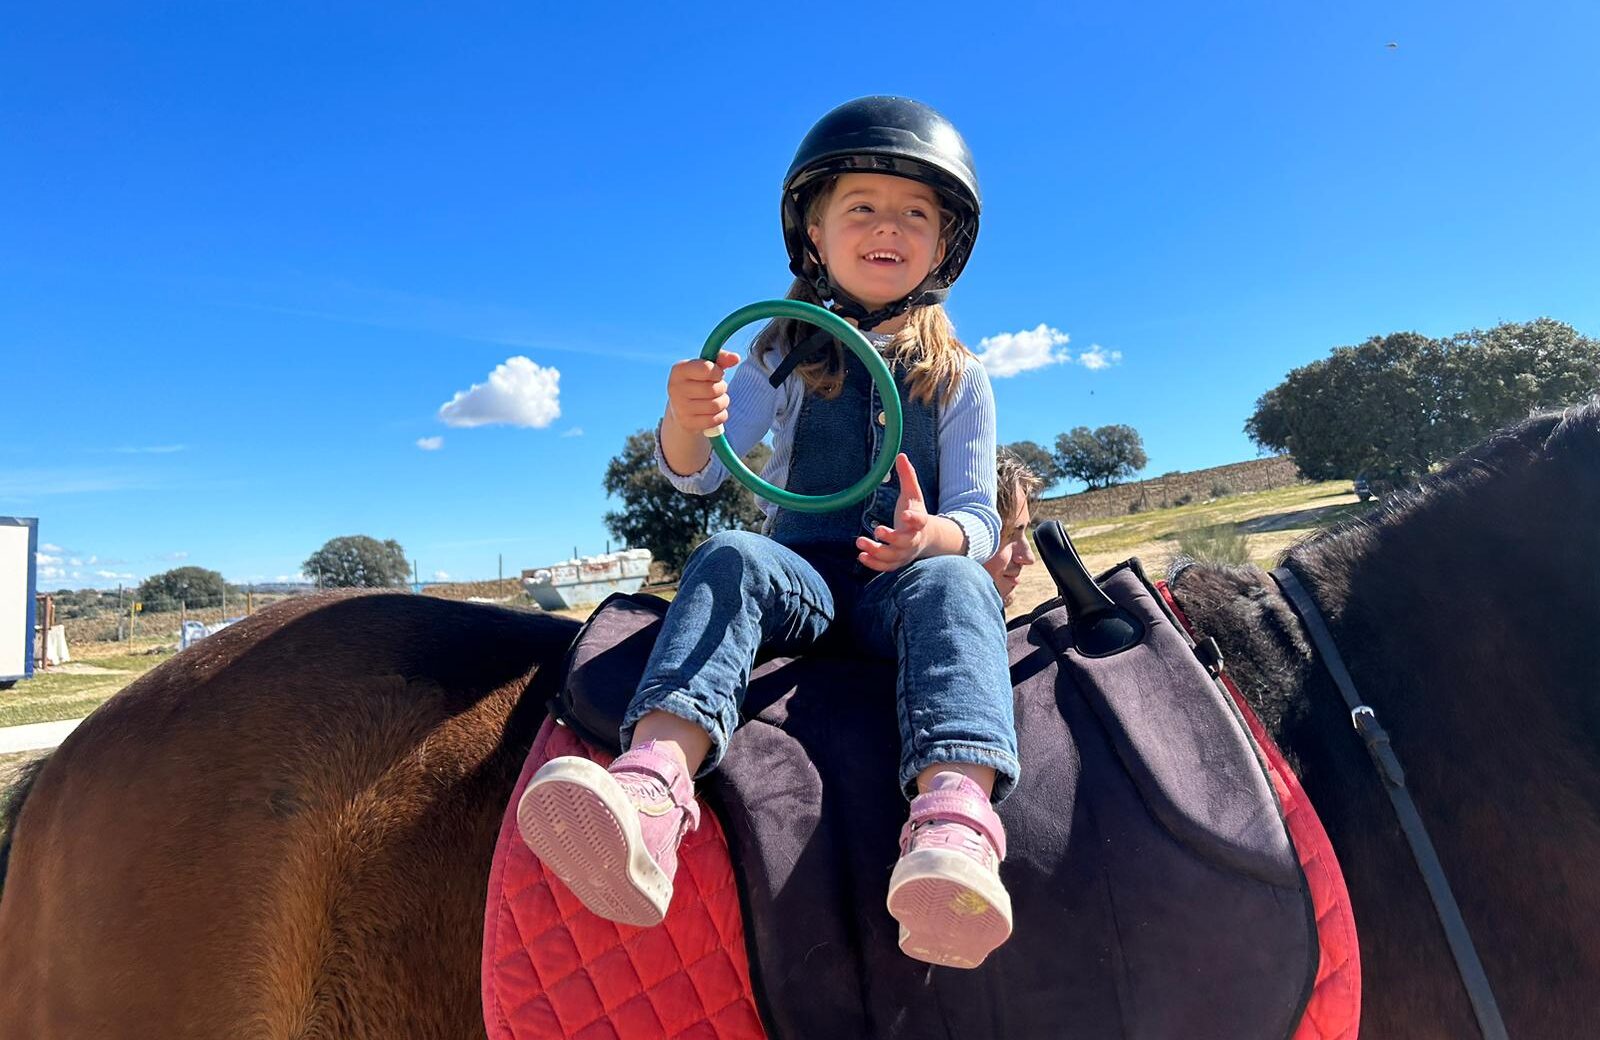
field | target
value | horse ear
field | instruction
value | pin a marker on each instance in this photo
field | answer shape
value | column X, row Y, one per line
column 1099, row 627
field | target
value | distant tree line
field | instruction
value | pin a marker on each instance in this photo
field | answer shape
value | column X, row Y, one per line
column 1100, row 457
column 350, row 561
column 1395, row 405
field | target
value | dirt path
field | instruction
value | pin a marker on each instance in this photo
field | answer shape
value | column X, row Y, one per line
column 80, row 668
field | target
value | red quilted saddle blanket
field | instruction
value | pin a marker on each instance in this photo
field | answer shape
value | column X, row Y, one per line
column 553, row 969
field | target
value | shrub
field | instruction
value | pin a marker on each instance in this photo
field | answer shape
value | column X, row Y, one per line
column 1221, row 543
column 194, row 586
column 1220, row 490
column 358, row 561
column 1183, row 499
column 1135, row 506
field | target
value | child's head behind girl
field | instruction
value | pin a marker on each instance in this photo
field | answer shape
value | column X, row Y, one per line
column 880, row 211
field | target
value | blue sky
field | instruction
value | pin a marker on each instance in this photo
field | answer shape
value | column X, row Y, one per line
column 248, row 252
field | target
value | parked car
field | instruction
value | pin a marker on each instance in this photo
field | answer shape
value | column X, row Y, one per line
column 1374, row 487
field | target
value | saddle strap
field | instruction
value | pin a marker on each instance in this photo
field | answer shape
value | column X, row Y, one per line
column 948, row 805
column 1387, row 763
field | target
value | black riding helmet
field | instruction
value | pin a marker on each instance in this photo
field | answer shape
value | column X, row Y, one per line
column 889, row 135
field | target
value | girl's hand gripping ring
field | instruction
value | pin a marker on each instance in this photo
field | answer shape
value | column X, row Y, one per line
column 851, row 337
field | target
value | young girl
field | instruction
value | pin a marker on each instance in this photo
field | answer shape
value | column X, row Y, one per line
column 880, row 211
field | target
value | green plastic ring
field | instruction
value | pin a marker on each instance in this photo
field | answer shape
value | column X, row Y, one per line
column 851, row 336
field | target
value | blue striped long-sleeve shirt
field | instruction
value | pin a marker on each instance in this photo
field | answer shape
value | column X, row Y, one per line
column 966, row 430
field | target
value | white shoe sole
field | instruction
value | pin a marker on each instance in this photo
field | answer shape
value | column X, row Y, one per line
column 585, row 829
column 951, row 911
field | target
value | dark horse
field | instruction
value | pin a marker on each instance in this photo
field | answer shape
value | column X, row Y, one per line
column 285, row 831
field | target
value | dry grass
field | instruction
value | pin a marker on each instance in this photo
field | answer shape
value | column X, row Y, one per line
column 1270, row 521
column 70, row 691
column 1218, row 543
column 11, row 767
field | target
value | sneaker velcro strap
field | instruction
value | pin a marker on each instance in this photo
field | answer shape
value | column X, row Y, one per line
column 663, row 767
column 957, row 808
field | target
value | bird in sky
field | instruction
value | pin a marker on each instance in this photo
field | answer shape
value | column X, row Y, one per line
column 1392, row 45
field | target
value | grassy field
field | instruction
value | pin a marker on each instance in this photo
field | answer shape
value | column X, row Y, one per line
column 1269, row 522
column 73, row 690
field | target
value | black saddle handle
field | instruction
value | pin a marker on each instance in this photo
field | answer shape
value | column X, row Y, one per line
column 1100, row 628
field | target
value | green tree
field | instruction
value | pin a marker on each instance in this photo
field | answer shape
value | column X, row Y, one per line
column 358, row 561
column 1394, row 405
column 663, row 519
column 1041, row 462
column 1100, row 457
column 1502, row 375
column 194, row 586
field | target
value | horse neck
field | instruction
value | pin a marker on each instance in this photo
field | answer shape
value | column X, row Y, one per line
column 1466, row 619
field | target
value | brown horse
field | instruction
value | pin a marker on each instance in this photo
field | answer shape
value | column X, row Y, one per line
column 286, row 830
column 1468, row 616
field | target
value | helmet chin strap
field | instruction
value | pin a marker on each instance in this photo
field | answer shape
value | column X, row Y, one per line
column 866, row 320
column 847, row 306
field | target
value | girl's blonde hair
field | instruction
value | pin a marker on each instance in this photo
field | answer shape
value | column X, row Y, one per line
column 926, row 345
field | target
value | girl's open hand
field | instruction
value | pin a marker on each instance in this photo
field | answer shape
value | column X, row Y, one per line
column 697, row 395
column 908, row 539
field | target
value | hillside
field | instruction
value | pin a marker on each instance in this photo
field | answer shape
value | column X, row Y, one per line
column 1268, row 521
column 1174, row 489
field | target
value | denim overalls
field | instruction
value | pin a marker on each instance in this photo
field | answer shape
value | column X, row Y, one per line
column 940, row 617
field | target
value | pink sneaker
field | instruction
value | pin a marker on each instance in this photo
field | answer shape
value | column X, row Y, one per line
column 611, row 835
column 946, row 891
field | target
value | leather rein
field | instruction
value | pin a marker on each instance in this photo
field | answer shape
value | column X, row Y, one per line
column 1376, row 739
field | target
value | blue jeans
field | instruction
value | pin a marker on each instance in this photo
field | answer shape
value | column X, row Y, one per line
column 939, row 617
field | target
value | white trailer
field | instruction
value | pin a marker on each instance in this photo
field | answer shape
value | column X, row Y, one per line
column 19, row 542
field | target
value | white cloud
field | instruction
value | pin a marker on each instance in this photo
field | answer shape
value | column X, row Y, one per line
column 441, row 576
column 1010, row 353
column 48, row 547
column 113, row 576
column 1098, row 357
column 45, row 559
column 50, row 573
column 75, row 562
column 430, row 443
column 518, row 393
column 154, row 449
column 576, row 431
column 179, row 555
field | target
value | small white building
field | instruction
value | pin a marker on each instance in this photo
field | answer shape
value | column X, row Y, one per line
column 19, row 546
column 586, row 580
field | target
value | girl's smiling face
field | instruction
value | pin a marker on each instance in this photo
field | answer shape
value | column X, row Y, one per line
column 878, row 235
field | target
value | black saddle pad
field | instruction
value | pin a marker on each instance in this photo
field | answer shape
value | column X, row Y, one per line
column 1154, row 886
